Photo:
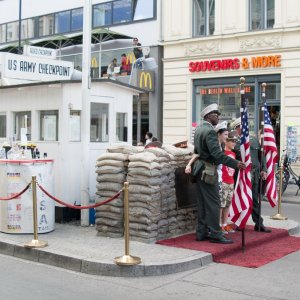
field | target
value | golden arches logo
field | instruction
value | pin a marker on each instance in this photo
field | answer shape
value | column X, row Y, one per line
column 144, row 78
column 130, row 58
column 94, row 62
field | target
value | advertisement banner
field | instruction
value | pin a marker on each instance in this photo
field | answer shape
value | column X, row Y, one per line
column 16, row 215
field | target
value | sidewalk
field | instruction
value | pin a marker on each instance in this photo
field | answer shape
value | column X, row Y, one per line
column 80, row 249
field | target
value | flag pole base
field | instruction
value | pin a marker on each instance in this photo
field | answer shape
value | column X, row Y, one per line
column 36, row 244
column 278, row 217
column 127, row 260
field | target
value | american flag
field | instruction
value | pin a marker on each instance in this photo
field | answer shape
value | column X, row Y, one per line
column 241, row 206
column 271, row 154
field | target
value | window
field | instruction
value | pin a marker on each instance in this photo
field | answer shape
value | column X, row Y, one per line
column 49, row 125
column 27, row 28
column 2, row 125
column 46, row 25
column 226, row 93
column 12, row 31
column 62, row 22
column 99, row 122
column 142, row 9
column 261, row 14
column 204, row 17
column 102, row 14
column 22, row 120
column 75, row 124
column 77, row 19
column 3, row 33
column 121, row 127
column 121, row 11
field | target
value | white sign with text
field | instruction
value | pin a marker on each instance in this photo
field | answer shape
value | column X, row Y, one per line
column 36, row 69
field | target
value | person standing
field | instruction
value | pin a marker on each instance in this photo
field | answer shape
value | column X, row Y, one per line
column 227, row 183
column 148, row 137
column 207, row 147
column 256, row 174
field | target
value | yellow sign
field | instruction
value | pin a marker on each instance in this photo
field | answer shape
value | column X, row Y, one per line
column 145, row 77
column 94, row 63
column 130, row 58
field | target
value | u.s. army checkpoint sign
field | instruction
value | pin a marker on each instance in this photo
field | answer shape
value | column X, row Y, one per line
column 36, row 69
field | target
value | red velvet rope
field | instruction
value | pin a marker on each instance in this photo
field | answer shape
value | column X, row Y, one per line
column 76, row 206
column 17, row 195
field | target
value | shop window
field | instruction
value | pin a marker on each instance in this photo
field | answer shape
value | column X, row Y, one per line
column 261, row 14
column 102, row 14
column 77, row 19
column 143, row 9
column 122, row 127
column 22, row 124
column 121, row 11
column 203, row 17
column 2, row 125
column 49, row 125
column 99, row 125
column 46, row 25
column 229, row 100
column 62, row 21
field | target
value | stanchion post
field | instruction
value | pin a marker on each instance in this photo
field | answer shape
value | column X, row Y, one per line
column 127, row 259
column 278, row 216
column 35, row 243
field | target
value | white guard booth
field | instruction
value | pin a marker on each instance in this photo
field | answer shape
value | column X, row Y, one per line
column 16, row 215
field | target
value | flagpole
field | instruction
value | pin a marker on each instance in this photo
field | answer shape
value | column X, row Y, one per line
column 263, row 96
column 242, row 91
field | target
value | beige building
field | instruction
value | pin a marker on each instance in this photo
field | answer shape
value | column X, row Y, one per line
column 210, row 44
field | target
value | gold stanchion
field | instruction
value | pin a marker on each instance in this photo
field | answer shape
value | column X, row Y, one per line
column 35, row 243
column 126, row 260
column 278, row 216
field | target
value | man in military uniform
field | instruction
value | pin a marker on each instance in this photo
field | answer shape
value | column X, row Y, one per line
column 210, row 154
column 256, row 174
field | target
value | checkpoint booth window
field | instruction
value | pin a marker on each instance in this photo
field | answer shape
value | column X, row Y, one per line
column 3, row 125
column 226, row 93
column 22, row 119
column 99, row 122
column 48, row 122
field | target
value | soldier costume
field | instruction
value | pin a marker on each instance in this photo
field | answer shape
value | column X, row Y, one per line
column 208, row 200
column 255, row 175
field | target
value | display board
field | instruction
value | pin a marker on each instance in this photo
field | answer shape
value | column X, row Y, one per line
column 292, row 143
column 16, row 215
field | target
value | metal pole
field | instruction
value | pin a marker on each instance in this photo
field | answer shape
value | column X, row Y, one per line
column 85, row 111
column 126, row 260
column 278, row 216
column 242, row 91
column 20, row 26
column 35, row 243
column 263, row 96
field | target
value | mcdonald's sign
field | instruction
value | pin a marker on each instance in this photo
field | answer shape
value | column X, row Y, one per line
column 146, row 80
column 94, row 63
column 130, row 58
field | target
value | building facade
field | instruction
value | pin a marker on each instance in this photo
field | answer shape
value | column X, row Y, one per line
column 56, row 116
column 60, row 25
column 210, row 44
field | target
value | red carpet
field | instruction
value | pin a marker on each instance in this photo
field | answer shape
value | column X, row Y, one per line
column 260, row 248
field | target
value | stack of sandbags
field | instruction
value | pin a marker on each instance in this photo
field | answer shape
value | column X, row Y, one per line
column 144, row 177
column 111, row 174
